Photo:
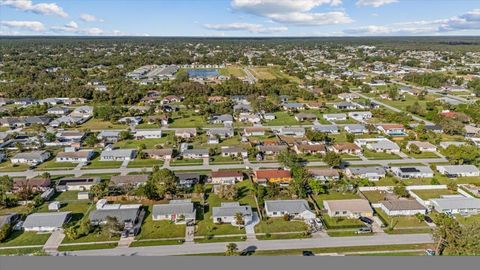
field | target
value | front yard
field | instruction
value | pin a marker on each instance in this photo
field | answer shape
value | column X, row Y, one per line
column 160, row 229
column 433, row 193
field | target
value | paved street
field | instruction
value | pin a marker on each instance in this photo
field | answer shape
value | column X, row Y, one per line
column 383, row 239
column 125, row 171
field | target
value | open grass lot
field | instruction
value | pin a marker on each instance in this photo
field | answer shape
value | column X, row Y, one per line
column 392, row 181
column 147, row 243
column 20, row 251
column 7, row 166
column 280, row 236
column 434, row 193
column 275, row 225
column 379, row 155
column 186, row 162
column 235, row 71
column 144, row 163
column 401, row 222
column 205, row 225
column 97, row 164
column 53, row 165
column 21, row 209
column 220, row 239
column 218, row 160
column 79, row 208
column 271, row 73
column 348, row 157
column 149, row 143
column 160, row 229
column 467, row 219
column 87, row 246
column 342, row 223
column 97, row 124
column 187, row 120
column 95, row 236
column 21, row 238
column 103, row 176
column 423, row 155
column 374, row 196
column 285, row 119
column 334, row 196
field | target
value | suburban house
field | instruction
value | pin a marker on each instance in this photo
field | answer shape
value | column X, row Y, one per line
column 434, row 128
column 147, row 134
column 133, row 180
column 333, row 117
column 233, row 151
column 355, row 129
column 346, row 148
column 130, row 120
column 187, row 180
column 306, row 117
column 224, row 119
column 109, row 136
column 77, row 184
column 345, row 106
column 45, row 222
column 360, row 116
column 378, row 145
column 348, row 96
column 186, row 133
column 221, row 132
column 445, row 145
column 254, row 131
column 226, row 177
column 195, row 153
column 462, row 205
column 402, row 207
column 31, row 158
column 38, row 184
column 282, row 177
column 272, row 150
column 177, row 211
column 81, row 156
column 330, row 129
column 159, row 154
column 297, row 209
column 70, row 136
column 422, row 146
column 228, row 211
column 373, row 173
column 292, row 131
column 326, row 174
column 408, row 172
column 293, row 106
column 392, row 129
column 311, row 149
column 458, row 170
column 118, row 154
column 158, row 119
column 348, row 208
column 58, row 111
column 126, row 214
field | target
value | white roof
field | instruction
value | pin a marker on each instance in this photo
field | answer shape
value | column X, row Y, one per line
column 455, row 203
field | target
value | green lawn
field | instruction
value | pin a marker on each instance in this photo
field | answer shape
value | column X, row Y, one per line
column 218, row 160
column 401, row 222
column 7, row 166
column 147, row 243
column 274, row 225
column 149, row 143
column 144, row 163
column 20, row 251
column 433, row 193
column 220, row 239
column 374, row 196
column 187, row 120
column 95, row 236
column 285, row 119
column 294, row 235
column 20, row 238
column 97, row 124
column 53, row 165
column 205, row 225
column 160, row 229
column 87, row 247
column 186, row 162
column 467, row 219
column 342, row 223
column 379, row 155
column 97, row 164
column 423, row 155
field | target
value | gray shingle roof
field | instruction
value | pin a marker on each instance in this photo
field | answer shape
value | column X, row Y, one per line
column 122, row 214
column 230, row 209
column 179, row 208
column 46, row 220
column 289, row 206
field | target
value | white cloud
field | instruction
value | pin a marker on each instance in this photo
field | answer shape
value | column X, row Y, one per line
column 25, row 25
column 375, row 3
column 88, row 17
column 40, row 8
column 73, row 28
column 467, row 21
column 293, row 11
column 250, row 27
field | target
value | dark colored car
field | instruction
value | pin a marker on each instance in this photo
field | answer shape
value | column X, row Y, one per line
column 366, row 220
column 428, row 219
column 307, row 253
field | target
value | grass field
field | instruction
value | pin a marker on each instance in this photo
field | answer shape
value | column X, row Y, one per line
column 374, row 196
column 274, row 225
column 97, row 124
column 144, row 163
column 334, row 196
column 342, row 223
column 7, row 166
column 53, row 165
column 147, row 243
column 87, row 246
column 234, row 71
column 434, row 193
column 379, row 155
column 97, row 164
column 149, row 143
column 186, row 162
column 20, row 238
column 20, row 251
column 160, row 229
column 402, row 222
column 217, row 160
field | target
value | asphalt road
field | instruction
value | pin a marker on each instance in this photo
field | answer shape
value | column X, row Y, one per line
column 383, row 239
column 125, row 171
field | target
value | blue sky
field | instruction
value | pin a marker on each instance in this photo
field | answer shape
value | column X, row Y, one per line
column 240, row 17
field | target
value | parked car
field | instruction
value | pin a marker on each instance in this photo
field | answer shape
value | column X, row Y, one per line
column 428, row 219
column 364, row 230
column 366, row 220
column 307, row 253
